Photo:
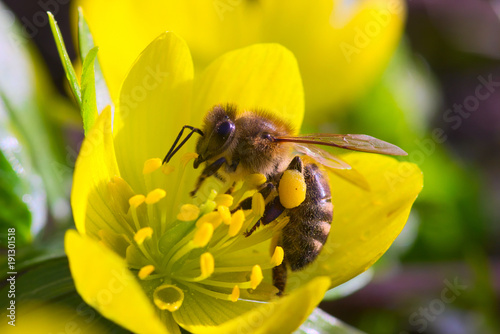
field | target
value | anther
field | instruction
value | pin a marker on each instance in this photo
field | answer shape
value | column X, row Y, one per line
column 258, row 204
column 256, row 179
column 224, row 199
column 155, row 196
column 277, row 257
column 143, row 234
column 203, row 235
column 188, row 212
column 188, row 157
column 236, row 223
column 235, row 295
column 167, row 169
column 136, row 200
column 145, row 271
column 207, row 264
column 256, row 276
column 151, row 165
column 225, row 214
column 213, row 218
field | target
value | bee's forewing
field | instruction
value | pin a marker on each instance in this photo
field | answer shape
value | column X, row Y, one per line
column 363, row 143
column 321, row 156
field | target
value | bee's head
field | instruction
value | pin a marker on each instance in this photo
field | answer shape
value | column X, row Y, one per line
column 219, row 132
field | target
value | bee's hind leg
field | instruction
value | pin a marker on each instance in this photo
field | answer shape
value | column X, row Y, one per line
column 296, row 164
column 272, row 211
column 280, row 274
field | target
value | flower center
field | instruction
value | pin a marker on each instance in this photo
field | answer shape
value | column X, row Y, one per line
column 200, row 245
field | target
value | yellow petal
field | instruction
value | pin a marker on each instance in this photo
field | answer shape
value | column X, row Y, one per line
column 95, row 167
column 283, row 316
column 365, row 223
column 346, row 45
column 122, row 29
column 263, row 77
column 104, row 282
column 39, row 317
column 154, row 105
column 341, row 46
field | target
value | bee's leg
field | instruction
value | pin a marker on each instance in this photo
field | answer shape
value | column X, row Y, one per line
column 274, row 208
column 296, row 164
column 234, row 164
column 272, row 211
column 246, row 204
column 207, row 172
column 280, row 274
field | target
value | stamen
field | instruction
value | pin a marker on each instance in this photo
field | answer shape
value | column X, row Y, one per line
column 168, row 297
column 136, row 200
column 145, row 271
column 213, row 218
column 225, row 214
column 188, row 157
column 224, row 199
column 236, row 223
column 155, row 196
column 258, row 204
column 292, row 189
column 235, row 294
column 203, row 235
column 188, row 212
column 256, row 276
column 277, row 257
column 143, row 234
column 207, row 264
column 256, row 180
column 151, row 165
column 167, row 169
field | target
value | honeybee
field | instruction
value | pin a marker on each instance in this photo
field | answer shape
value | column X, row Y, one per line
column 258, row 142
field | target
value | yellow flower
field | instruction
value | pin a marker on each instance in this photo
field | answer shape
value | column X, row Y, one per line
column 151, row 258
column 341, row 46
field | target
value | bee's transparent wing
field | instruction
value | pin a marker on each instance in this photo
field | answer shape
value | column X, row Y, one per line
column 321, row 156
column 363, row 143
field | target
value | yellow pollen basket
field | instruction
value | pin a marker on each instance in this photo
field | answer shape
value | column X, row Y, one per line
column 292, row 189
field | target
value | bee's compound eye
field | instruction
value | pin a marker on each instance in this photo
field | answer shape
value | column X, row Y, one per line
column 225, row 129
column 267, row 136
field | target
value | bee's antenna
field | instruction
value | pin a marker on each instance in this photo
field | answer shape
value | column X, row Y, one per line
column 174, row 149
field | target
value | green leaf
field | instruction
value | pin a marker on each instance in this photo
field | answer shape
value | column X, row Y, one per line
column 25, row 97
column 85, row 44
column 66, row 61
column 89, row 106
column 13, row 211
column 320, row 322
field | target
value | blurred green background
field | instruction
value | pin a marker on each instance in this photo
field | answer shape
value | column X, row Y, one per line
column 439, row 99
